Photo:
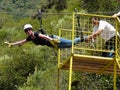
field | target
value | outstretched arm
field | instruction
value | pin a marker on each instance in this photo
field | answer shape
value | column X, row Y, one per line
column 16, row 43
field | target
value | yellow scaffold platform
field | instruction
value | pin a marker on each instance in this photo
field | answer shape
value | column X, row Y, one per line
column 92, row 64
column 86, row 57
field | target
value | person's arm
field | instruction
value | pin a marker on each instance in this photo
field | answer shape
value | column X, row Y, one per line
column 45, row 37
column 19, row 42
column 16, row 43
column 94, row 35
column 116, row 14
column 49, row 38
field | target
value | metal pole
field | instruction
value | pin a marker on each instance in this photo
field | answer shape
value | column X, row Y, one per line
column 115, row 67
column 70, row 72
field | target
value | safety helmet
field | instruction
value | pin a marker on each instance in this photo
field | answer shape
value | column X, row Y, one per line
column 27, row 26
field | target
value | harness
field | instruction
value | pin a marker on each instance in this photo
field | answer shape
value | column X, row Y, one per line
column 45, row 42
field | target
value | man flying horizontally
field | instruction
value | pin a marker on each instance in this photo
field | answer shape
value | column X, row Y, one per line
column 38, row 38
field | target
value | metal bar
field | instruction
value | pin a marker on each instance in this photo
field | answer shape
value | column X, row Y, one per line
column 115, row 67
column 73, row 34
column 95, row 15
column 58, row 63
column 70, row 72
column 93, row 49
column 58, row 79
column 105, row 67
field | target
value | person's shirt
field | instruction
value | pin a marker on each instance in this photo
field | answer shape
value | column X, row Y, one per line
column 108, row 31
column 39, row 41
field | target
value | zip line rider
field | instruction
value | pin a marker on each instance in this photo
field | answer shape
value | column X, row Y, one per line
column 53, row 41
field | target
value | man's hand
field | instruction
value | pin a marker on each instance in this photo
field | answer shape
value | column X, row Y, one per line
column 55, row 41
column 87, row 39
column 115, row 15
column 9, row 44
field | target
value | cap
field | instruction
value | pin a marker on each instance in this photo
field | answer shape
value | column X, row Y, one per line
column 28, row 26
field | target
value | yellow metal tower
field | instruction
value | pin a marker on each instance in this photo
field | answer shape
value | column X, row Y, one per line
column 86, row 57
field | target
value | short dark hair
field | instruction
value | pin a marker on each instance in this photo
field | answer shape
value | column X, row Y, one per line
column 95, row 18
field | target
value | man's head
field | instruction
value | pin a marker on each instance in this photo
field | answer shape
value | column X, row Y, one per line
column 28, row 27
column 95, row 20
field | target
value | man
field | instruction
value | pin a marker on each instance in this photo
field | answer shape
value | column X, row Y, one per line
column 41, row 39
column 106, row 31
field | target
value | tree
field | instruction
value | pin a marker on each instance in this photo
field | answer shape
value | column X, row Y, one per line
column 61, row 4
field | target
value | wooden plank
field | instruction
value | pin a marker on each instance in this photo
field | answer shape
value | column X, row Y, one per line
column 90, row 64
